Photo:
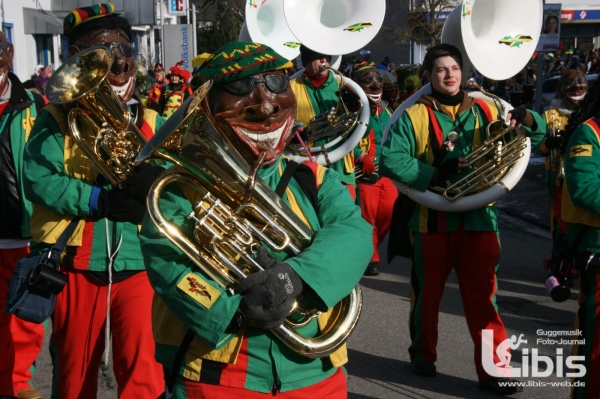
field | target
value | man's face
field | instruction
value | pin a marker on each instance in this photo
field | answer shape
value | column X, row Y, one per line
column 574, row 85
column 318, row 66
column 122, row 72
column 372, row 84
column 175, row 79
column 256, row 117
column 445, row 76
column 6, row 60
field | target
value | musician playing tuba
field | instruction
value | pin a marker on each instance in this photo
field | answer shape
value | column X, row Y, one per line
column 421, row 151
column 107, row 291
column 317, row 91
column 571, row 89
column 230, row 351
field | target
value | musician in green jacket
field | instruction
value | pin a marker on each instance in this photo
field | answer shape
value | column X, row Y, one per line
column 581, row 212
column 231, row 351
column 419, row 153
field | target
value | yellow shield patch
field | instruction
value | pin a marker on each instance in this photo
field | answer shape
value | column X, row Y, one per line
column 583, row 150
column 199, row 289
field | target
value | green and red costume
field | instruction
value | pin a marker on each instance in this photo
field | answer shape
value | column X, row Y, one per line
column 467, row 242
column 253, row 359
column 581, row 212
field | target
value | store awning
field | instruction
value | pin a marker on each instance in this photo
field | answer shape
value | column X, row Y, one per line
column 42, row 22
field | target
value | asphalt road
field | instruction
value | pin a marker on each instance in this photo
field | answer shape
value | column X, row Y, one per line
column 379, row 365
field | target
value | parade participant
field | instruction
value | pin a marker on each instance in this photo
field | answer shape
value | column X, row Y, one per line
column 377, row 194
column 174, row 93
column 317, row 91
column 107, row 290
column 581, row 212
column 156, row 87
column 20, row 341
column 571, row 89
column 233, row 354
column 467, row 242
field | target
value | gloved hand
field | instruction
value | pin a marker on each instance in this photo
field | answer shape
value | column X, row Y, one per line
column 521, row 116
column 120, row 205
column 268, row 296
column 142, row 180
column 368, row 167
column 553, row 142
column 446, row 169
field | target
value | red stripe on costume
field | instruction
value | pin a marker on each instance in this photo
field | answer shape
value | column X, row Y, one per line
column 234, row 375
column 485, row 108
column 146, row 131
column 439, row 133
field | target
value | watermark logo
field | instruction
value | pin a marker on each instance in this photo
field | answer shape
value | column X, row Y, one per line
column 533, row 363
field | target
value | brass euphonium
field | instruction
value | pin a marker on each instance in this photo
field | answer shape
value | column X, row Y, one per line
column 237, row 212
column 99, row 123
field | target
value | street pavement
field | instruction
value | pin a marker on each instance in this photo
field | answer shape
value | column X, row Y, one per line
column 379, row 365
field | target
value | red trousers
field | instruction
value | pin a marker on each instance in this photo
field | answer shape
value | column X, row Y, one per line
column 20, row 341
column 377, row 204
column 333, row 387
column 78, row 332
column 474, row 255
column 588, row 322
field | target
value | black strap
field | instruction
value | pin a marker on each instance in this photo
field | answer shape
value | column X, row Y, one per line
column 61, row 243
column 290, row 168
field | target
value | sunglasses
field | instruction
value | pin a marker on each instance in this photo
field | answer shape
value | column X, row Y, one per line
column 369, row 80
column 125, row 49
column 275, row 83
column 571, row 82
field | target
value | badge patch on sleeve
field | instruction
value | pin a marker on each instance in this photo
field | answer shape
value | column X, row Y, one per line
column 199, row 289
column 583, row 150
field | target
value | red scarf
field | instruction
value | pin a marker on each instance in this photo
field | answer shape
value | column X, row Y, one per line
column 317, row 81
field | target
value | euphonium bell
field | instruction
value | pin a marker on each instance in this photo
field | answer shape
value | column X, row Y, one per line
column 99, row 123
column 234, row 214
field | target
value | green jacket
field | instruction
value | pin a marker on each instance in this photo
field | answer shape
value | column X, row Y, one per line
column 315, row 101
column 581, row 203
column 408, row 157
column 331, row 266
column 18, row 120
column 58, row 181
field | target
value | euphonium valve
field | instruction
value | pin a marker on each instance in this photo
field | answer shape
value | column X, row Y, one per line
column 99, row 122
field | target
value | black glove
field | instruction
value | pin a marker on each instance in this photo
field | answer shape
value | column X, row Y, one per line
column 553, row 142
column 142, row 180
column 446, row 169
column 519, row 114
column 120, row 205
column 268, row 296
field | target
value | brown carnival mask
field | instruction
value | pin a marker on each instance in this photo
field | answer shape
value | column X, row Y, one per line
column 256, row 114
column 122, row 72
column 574, row 85
column 372, row 84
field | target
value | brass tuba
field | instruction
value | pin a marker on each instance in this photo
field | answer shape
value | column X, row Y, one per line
column 236, row 214
column 99, row 123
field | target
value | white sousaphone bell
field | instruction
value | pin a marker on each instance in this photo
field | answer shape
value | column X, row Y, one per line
column 335, row 27
column 498, row 42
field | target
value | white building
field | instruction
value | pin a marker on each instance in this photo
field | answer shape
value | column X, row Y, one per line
column 35, row 29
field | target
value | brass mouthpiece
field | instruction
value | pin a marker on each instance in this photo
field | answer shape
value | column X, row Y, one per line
column 323, row 67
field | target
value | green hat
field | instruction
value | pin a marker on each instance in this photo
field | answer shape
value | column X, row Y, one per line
column 85, row 19
column 237, row 60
